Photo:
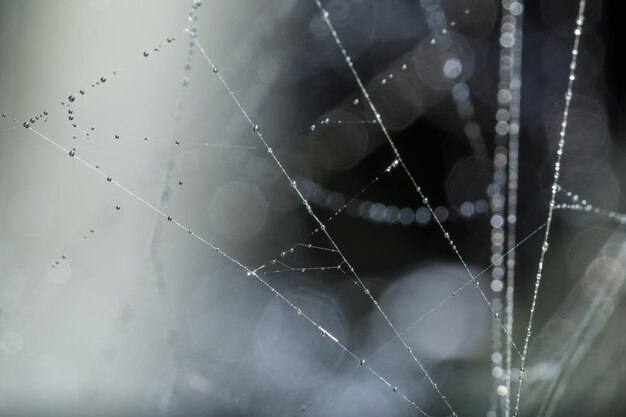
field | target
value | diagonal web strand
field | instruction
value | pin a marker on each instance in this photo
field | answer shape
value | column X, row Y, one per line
column 461, row 288
column 418, row 189
column 557, row 169
column 249, row 272
column 321, row 225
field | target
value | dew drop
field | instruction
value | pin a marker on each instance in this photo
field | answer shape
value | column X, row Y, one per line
column 72, row 153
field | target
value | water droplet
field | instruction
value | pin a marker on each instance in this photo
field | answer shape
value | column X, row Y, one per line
column 109, row 179
column 180, row 182
column 177, row 142
column 170, row 218
column 71, row 98
column 117, row 207
column 362, row 362
column 103, row 79
column 117, row 136
column 72, row 153
column 146, row 53
column 26, row 125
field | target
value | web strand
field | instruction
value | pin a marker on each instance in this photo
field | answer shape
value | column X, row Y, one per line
column 513, row 178
column 249, row 272
column 503, row 191
column 557, row 169
column 257, row 131
column 396, row 152
column 458, row 290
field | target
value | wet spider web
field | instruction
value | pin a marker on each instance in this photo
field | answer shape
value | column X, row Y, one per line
column 330, row 257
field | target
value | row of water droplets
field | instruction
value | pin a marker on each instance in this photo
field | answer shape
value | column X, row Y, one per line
column 326, row 18
column 557, row 170
column 503, row 192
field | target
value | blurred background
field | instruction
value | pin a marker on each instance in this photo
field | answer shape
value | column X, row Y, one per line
column 109, row 309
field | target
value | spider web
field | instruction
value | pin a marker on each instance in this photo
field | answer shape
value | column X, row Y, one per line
column 332, row 258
